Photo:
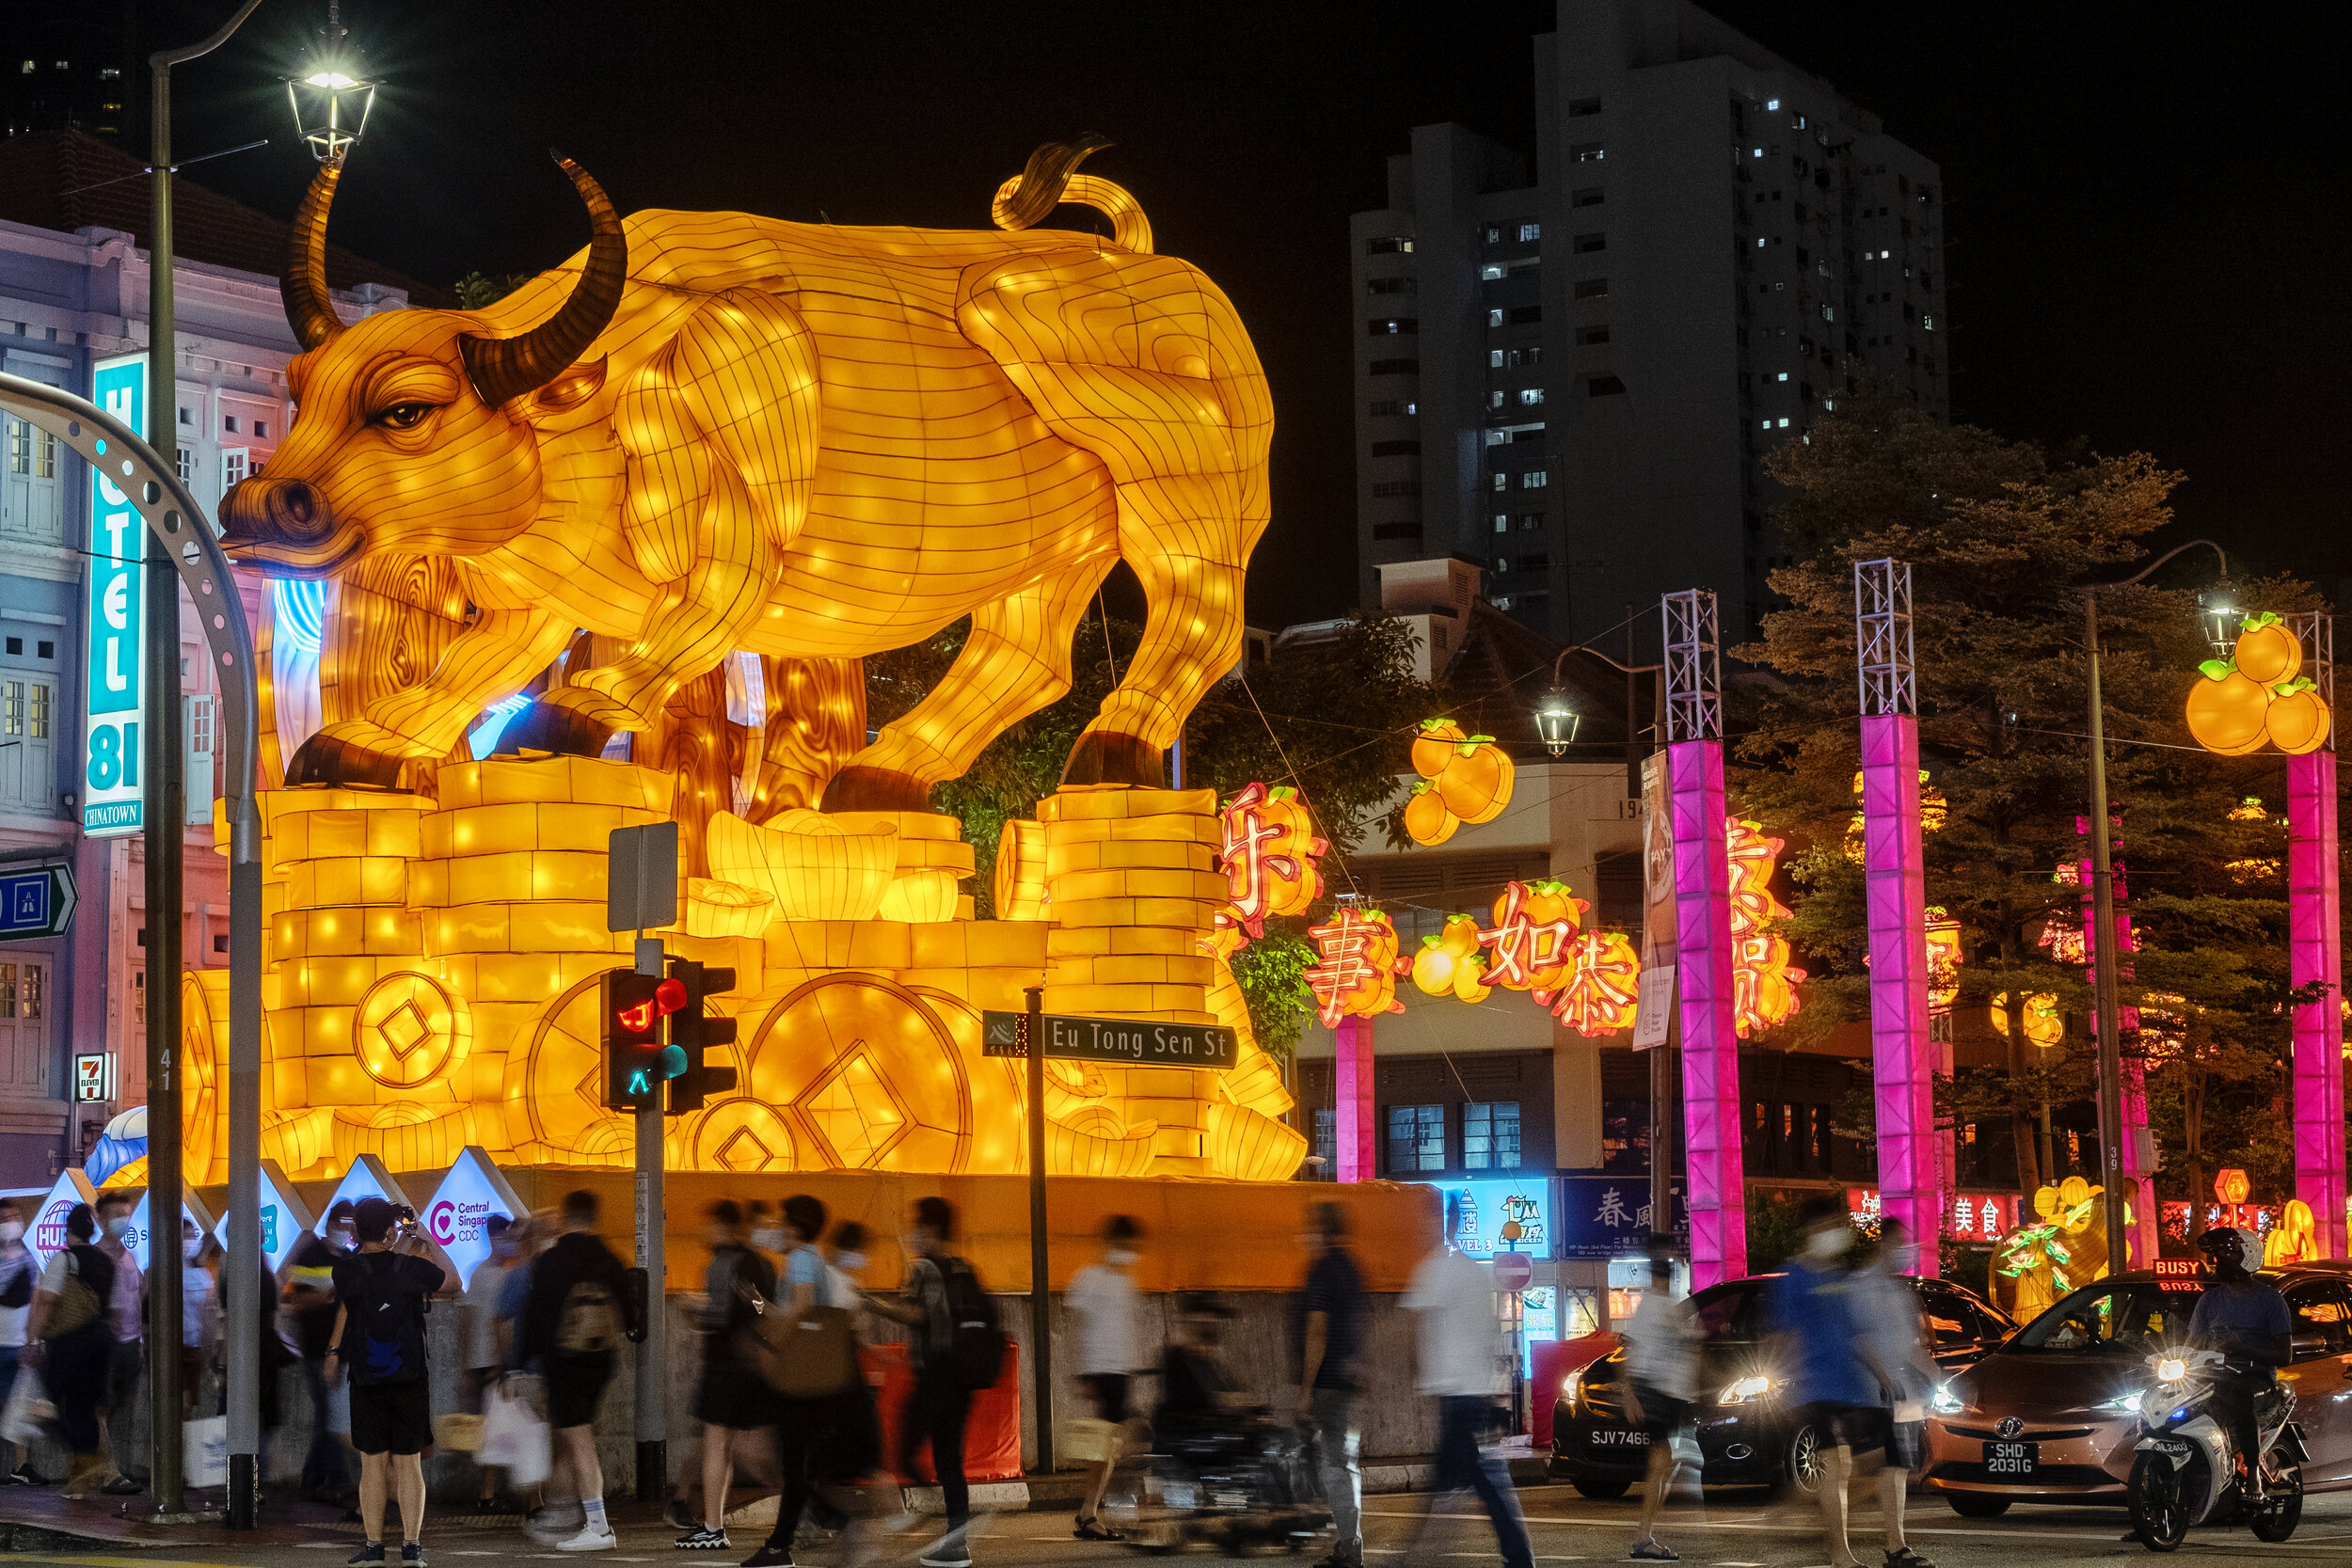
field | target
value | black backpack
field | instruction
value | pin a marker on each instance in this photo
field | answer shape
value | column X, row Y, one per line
column 384, row 1322
column 974, row 1352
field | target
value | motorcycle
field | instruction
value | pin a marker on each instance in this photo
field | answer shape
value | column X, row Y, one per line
column 1234, row 1489
column 2185, row 1472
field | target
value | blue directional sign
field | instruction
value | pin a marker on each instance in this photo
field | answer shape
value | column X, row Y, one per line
column 36, row 901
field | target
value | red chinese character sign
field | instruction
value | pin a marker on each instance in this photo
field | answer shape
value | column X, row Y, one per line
column 1269, row 856
column 1764, row 984
column 1354, row 975
column 1603, row 986
column 1529, row 943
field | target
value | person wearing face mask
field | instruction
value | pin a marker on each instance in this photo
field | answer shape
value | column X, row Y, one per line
column 1103, row 1297
column 18, row 1270
column 1894, row 1342
column 1810, row 1313
column 731, row 1401
column 124, row 1369
column 71, row 1341
column 199, row 1315
column 766, row 1232
column 1663, row 1363
column 306, row 1286
column 478, row 1335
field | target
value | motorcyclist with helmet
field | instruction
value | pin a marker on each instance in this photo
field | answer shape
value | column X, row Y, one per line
column 2246, row 1321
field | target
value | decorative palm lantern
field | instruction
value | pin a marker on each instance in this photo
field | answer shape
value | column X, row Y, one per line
column 331, row 91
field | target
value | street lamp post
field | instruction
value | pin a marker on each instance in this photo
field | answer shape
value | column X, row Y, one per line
column 2101, row 945
column 165, row 827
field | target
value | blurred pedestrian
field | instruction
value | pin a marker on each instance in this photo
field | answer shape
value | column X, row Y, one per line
column 307, row 1287
column 574, row 1321
column 802, row 1426
column 199, row 1314
column 382, row 1293
column 124, row 1319
column 1199, row 1395
column 857, row 1446
column 1463, row 1357
column 731, row 1402
column 1662, row 1365
column 1333, row 1310
column 1102, row 1295
column 766, row 1231
column 72, row 1340
column 950, row 1318
column 1894, row 1342
column 478, row 1336
column 1810, row 1313
column 529, row 1236
column 19, row 1270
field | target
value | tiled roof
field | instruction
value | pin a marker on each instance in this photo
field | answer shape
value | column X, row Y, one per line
column 67, row 179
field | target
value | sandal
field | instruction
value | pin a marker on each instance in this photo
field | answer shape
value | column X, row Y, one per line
column 1094, row 1529
column 1909, row 1559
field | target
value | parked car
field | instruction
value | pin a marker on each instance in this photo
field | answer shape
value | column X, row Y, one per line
column 2052, row 1415
column 1747, row 1435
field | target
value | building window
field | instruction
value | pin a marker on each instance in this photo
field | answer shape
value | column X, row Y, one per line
column 1591, row 196
column 1396, row 530
column 1588, row 244
column 1403, row 449
column 229, row 423
column 1578, row 107
column 1490, row 1135
column 1528, row 316
column 1490, row 272
column 1394, row 325
column 1529, row 232
column 1589, row 336
column 1585, row 152
column 1395, row 367
column 1494, row 233
column 1593, row 288
column 1530, row 395
column 232, row 468
column 1493, row 399
column 1494, row 360
column 1416, row 1139
column 1326, row 1140
column 1494, row 318
column 1384, row 406
column 1397, row 487
column 1535, row 479
column 1501, row 480
column 1530, row 522
column 1502, row 519
column 183, row 458
column 261, row 429
column 1393, row 285
column 1389, row 246
column 1609, row 387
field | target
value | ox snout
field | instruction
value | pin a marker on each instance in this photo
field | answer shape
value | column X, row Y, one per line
column 285, row 526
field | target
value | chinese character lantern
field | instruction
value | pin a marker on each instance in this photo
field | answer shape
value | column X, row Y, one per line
column 1602, row 988
column 1354, row 975
column 1534, row 927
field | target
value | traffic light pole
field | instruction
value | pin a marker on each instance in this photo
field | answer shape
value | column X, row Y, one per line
column 1040, row 1300
column 653, row 1352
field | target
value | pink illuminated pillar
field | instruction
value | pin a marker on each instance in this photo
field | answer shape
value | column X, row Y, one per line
column 1902, row 1051
column 2139, row 1151
column 1351, row 1095
column 1711, row 1041
column 2314, row 956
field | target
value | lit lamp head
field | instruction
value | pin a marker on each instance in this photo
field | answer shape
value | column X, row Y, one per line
column 1556, row 721
column 331, row 91
column 2216, row 607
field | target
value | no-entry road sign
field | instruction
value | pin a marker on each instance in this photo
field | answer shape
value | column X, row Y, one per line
column 1513, row 1269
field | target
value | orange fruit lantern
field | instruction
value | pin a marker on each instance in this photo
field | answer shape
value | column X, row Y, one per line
column 1476, row 781
column 1426, row 818
column 1450, row 963
column 1434, row 747
column 2226, row 713
column 2266, row 651
column 2297, row 720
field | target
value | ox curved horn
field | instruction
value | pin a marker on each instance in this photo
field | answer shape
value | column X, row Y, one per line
column 303, row 285
column 504, row 367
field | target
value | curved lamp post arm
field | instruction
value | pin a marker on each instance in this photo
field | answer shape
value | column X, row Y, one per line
column 2148, row 570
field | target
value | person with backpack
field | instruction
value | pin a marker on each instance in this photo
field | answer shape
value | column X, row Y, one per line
column 573, row 1323
column 70, row 1340
column 958, row 1347
column 382, row 1293
column 804, row 1426
column 306, row 1288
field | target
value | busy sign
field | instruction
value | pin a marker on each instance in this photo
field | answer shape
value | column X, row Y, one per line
column 458, row 1216
column 113, row 620
column 1609, row 1216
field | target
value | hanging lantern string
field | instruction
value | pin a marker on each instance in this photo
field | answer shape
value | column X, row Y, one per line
column 1291, row 773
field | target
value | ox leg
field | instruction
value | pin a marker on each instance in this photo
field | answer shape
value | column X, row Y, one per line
column 1016, row 661
column 501, row 651
column 1188, row 546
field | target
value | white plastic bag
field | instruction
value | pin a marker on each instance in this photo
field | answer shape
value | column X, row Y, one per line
column 29, row 1410
column 204, row 1450
column 513, row 1438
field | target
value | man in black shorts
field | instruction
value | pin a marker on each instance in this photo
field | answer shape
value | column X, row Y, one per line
column 1809, row 1311
column 382, row 1293
column 574, row 1322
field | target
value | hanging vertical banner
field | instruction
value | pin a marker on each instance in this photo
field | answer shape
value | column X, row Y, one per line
column 113, row 620
column 1653, row 1019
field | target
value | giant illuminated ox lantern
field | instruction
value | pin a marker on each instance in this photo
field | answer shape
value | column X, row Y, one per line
column 715, row 432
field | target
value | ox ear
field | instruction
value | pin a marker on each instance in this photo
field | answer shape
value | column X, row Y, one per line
column 570, row 389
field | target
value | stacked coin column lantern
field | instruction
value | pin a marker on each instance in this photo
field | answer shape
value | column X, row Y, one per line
column 1710, row 1043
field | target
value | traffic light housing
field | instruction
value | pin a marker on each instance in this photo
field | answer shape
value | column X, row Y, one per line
column 632, row 1039
column 694, row 1031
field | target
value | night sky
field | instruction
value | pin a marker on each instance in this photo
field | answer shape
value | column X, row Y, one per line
column 2146, row 203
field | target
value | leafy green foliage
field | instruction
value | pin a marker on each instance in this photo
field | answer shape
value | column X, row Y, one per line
column 1271, row 973
column 478, row 291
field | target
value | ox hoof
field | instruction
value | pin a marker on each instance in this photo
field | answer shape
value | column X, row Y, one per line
column 1105, row 757
column 857, row 788
column 544, row 728
column 326, row 763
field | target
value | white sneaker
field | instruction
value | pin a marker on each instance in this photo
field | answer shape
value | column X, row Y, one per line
column 590, row 1539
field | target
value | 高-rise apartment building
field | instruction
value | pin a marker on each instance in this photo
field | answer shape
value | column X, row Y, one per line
column 1574, row 379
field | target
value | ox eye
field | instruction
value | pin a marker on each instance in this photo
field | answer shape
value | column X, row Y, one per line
column 403, row 416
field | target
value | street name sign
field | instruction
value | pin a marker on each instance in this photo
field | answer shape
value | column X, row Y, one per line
column 1130, row 1042
column 36, row 901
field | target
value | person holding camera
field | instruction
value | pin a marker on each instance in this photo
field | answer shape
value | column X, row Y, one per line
column 382, row 1293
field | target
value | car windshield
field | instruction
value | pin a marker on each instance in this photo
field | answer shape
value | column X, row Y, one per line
column 2136, row 1316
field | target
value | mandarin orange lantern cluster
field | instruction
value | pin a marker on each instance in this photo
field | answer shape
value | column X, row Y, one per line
column 1269, row 856
column 2258, row 695
column 1602, row 990
column 1452, row 963
column 1354, row 975
column 677, row 489
column 1465, row 778
column 1764, row 984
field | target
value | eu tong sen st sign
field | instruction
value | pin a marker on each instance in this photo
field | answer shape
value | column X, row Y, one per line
column 1130, row 1041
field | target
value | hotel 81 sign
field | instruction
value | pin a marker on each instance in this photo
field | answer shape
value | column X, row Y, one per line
column 114, row 619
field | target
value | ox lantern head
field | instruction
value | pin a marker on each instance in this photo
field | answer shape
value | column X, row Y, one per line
column 406, row 436
column 1556, row 721
column 330, row 91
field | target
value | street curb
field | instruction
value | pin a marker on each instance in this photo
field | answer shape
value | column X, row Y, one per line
column 46, row 1538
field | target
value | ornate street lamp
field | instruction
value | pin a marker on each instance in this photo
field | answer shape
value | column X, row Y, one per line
column 1556, row 721
column 331, row 91
column 2216, row 607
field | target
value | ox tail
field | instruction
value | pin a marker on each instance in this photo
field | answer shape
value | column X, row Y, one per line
column 1051, row 177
